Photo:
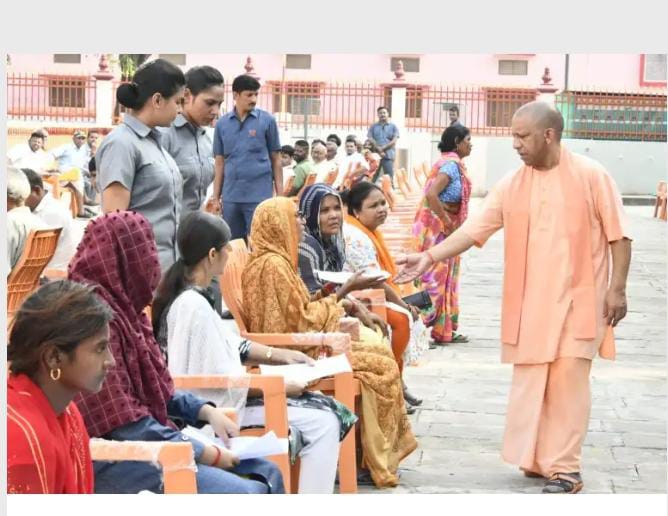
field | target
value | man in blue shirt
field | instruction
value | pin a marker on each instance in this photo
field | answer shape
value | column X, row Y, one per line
column 384, row 135
column 248, row 167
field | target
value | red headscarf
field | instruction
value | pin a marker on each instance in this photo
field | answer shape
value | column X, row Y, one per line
column 118, row 255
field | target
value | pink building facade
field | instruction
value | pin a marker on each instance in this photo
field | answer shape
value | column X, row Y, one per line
column 611, row 72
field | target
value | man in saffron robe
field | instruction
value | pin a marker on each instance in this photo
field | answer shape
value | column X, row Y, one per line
column 563, row 216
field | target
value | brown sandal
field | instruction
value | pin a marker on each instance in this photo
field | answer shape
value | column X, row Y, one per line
column 563, row 483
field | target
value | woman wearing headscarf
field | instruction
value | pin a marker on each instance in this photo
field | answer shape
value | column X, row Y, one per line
column 277, row 301
column 137, row 402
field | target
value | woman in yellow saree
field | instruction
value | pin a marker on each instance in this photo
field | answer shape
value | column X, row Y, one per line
column 277, row 301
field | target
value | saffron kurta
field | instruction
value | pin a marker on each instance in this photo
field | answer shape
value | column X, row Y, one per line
column 546, row 324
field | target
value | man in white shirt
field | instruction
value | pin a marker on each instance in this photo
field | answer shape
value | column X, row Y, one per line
column 353, row 162
column 287, row 161
column 20, row 220
column 31, row 155
column 321, row 166
column 53, row 214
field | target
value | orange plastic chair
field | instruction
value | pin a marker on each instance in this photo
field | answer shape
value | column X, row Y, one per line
column 331, row 176
column 310, row 180
column 24, row 278
column 387, row 190
column 287, row 186
column 275, row 407
column 660, row 205
column 177, row 460
column 55, row 185
column 343, row 386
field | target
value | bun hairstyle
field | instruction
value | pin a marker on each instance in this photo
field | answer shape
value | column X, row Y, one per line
column 159, row 76
column 355, row 197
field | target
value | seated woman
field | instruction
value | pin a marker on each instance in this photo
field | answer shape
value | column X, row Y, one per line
column 138, row 402
column 58, row 347
column 198, row 342
column 277, row 301
column 365, row 250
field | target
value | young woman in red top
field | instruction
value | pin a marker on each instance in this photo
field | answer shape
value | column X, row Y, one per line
column 58, row 347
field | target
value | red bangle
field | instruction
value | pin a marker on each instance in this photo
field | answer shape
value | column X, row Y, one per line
column 218, row 454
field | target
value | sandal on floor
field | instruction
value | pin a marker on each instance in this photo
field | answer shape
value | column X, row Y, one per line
column 410, row 409
column 563, row 483
column 411, row 400
column 458, row 337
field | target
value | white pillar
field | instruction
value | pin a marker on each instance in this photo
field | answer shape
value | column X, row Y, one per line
column 104, row 104
column 398, row 107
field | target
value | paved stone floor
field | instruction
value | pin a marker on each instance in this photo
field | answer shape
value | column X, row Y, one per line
column 465, row 387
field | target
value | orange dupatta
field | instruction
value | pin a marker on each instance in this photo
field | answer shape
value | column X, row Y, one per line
column 384, row 259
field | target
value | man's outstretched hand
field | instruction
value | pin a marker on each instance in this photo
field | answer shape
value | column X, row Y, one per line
column 412, row 266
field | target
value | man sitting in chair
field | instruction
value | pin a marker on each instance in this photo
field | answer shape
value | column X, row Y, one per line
column 20, row 220
column 53, row 214
column 72, row 160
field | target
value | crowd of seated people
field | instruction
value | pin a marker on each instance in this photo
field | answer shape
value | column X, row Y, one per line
column 93, row 363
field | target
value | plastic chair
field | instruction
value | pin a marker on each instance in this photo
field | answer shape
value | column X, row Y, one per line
column 660, row 205
column 331, row 177
column 177, row 460
column 287, row 186
column 275, row 409
column 24, row 278
column 343, row 386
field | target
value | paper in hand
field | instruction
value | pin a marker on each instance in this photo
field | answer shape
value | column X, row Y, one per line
column 305, row 373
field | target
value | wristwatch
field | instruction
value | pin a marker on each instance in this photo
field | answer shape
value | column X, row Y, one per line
column 269, row 353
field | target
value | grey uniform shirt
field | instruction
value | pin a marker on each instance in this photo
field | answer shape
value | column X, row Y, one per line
column 192, row 149
column 132, row 155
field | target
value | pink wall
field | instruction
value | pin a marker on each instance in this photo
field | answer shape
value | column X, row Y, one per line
column 606, row 71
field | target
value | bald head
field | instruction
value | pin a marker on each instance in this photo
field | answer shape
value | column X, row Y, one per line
column 542, row 115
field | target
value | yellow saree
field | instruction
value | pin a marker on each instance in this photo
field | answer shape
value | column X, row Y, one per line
column 277, row 301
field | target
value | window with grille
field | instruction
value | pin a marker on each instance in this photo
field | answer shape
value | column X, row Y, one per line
column 298, row 61
column 414, row 97
column 67, row 91
column 513, row 67
column 411, row 64
column 67, row 58
column 654, row 69
column 301, row 98
column 501, row 104
column 177, row 59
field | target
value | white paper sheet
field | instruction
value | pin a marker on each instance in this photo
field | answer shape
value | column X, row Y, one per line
column 244, row 447
column 341, row 277
column 305, row 373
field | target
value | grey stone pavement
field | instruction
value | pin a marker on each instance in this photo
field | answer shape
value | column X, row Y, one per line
column 465, row 387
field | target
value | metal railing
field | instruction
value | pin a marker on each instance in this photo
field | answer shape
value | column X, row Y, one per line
column 48, row 97
column 601, row 115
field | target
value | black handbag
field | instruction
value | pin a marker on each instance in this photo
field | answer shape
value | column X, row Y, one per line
column 419, row 300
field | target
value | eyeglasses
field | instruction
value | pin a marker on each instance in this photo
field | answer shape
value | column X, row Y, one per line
column 300, row 215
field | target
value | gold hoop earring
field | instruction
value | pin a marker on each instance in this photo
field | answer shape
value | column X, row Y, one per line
column 55, row 374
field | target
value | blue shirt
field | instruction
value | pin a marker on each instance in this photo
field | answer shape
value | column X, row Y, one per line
column 453, row 192
column 70, row 156
column 382, row 134
column 247, row 147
